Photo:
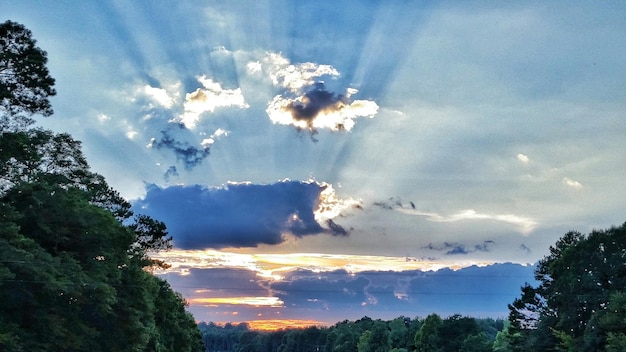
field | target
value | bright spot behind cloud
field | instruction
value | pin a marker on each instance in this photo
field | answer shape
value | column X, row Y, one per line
column 319, row 109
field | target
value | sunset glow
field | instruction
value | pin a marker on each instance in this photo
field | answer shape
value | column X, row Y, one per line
column 246, row 301
column 272, row 265
column 278, row 324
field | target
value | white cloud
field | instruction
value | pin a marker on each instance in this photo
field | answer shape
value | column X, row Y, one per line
column 254, row 67
column 338, row 116
column 131, row 134
column 523, row 158
column 525, row 225
column 209, row 141
column 572, row 183
column 208, row 99
column 294, row 77
column 330, row 205
column 159, row 95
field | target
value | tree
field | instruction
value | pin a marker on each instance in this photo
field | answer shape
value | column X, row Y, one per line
column 454, row 330
column 25, row 83
column 398, row 332
column 427, row 337
column 579, row 280
column 364, row 342
column 476, row 343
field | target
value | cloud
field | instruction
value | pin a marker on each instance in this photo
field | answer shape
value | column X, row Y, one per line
column 445, row 291
column 171, row 172
column 182, row 143
column 524, row 224
column 159, row 95
column 319, row 108
column 213, row 96
column 175, row 139
column 305, row 102
column 244, row 214
column 274, row 266
column 454, row 248
column 572, row 183
column 293, row 77
column 524, row 159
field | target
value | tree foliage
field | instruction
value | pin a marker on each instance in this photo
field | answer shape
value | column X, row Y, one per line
column 579, row 302
column 73, row 259
column 363, row 335
column 25, row 83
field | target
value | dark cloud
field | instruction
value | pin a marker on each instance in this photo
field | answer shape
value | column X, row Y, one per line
column 392, row 203
column 450, row 291
column 457, row 249
column 220, row 281
column 237, row 215
column 318, row 108
column 187, row 153
column 336, row 229
column 315, row 101
column 454, row 248
column 171, row 172
column 525, row 248
column 329, row 296
column 413, row 290
column 305, row 288
column 483, row 247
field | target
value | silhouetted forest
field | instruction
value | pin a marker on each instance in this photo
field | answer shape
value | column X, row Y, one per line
column 454, row 333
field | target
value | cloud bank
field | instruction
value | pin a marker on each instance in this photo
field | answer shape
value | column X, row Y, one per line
column 340, row 294
column 244, row 214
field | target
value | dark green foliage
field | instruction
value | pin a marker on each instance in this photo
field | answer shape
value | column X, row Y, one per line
column 73, row 262
column 579, row 303
column 25, row 83
column 363, row 335
column 427, row 337
column 72, row 270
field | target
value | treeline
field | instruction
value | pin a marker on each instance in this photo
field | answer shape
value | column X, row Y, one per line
column 454, row 333
column 74, row 264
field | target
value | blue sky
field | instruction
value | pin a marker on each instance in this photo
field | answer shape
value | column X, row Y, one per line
column 311, row 158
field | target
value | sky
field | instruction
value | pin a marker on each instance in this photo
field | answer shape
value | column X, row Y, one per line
column 321, row 161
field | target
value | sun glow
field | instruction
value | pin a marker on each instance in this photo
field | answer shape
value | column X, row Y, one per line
column 273, row 265
column 278, row 324
column 273, row 302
